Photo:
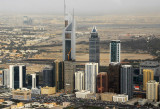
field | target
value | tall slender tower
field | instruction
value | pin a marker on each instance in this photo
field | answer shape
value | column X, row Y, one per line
column 126, row 80
column 94, row 49
column 148, row 75
column 91, row 72
column 17, row 76
column 69, row 43
column 115, row 50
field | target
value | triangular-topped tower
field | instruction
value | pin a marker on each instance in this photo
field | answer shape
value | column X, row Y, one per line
column 69, row 43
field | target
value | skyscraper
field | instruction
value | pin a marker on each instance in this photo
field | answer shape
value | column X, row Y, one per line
column 6, row 77
column 114, row 77
column 152, row 90
column 48, row 77
column 79, row 80
column 126, row 80
column 17, row 76
column 94, row 50
column 69, row 70
column 115, row 49
column 69, row 43
column 102, row 82
column 91, row 72
column 59, row 69
column 148, row 75
column 33, row 81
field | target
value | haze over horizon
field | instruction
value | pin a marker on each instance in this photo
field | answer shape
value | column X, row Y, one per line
column 82, row 7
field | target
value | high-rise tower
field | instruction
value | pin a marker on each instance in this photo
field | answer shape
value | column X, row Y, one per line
column 94, row 46
column 126, row 80
column 91, row 72
column 115, row 49
column 69, row 43
column 148, row 75
column 17, row 76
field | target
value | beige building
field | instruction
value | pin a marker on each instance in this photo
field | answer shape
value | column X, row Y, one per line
column 82, row 94
column 21, row 94
column 48, row 90
column 152, row 90
column 148, row 75
column 93, row 96
column 120, row 98
column 107, row 96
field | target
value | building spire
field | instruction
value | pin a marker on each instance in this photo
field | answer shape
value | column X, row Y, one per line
column 73, row 15
column 64, row 7
column 94, row 30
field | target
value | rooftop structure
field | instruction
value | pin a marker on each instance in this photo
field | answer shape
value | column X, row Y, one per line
column 120, row 98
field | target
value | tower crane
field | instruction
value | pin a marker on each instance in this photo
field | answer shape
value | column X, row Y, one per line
column 69, row 53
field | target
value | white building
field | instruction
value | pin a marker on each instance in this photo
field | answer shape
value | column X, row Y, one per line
column 6, row 78
column 17, row 76
column 91, row 72
column 82, row 94
column 79, row 80
column 120, row 98
column 69, row 42
column 33, row 81
column 152, row 90
column 115, row 50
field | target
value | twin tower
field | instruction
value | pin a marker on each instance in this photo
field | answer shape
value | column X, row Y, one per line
column 69, row 42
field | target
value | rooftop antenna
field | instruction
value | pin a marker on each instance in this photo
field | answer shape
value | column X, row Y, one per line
column 64, row 7
column 73, row 14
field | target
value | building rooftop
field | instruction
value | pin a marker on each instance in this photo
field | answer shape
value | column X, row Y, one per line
column 115, row 63
column 102, row 73
column 83, row 91
column 118, row 41
column 152, row 81
column 94, row 30
column 126, row 66
column 24, row 90
column 121, row 95
column 91, row 63
column 149, row 63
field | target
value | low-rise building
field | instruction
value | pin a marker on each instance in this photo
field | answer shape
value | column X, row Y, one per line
column 142, row 102
column 65, row 104
column 120, row 98
column 82, row 94
column 93, row 96
column 48, row 90
column 36, row 91
column 107, row 96
column 21, row 94
column 28, row 105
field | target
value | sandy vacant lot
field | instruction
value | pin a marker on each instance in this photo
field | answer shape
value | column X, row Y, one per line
column 104, row 57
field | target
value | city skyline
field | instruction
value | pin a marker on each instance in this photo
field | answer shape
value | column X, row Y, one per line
column 50, row 64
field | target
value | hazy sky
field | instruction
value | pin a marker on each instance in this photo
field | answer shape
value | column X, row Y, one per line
column 82, row 7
